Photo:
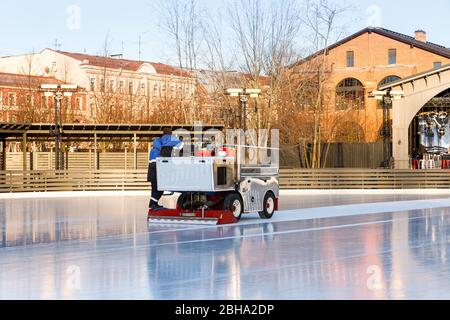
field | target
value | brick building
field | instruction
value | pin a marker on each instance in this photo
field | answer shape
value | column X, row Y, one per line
column 110, row 81
column 22, row 101
column 360, row 64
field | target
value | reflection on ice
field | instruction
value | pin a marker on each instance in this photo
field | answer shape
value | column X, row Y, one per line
column 102, row 248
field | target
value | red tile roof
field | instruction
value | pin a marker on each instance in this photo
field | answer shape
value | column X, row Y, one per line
column 24, row 81
column 169, row 70
column 125, row 64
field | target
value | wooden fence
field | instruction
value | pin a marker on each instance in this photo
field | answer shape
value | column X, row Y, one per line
column 98, row 180
column 121, row 180
column 364, row 179
column 78, row 160
column 339, row 155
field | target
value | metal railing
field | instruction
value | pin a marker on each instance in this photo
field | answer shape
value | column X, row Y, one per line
column 124, row 180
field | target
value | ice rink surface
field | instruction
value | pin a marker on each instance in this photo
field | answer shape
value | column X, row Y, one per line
column 325, row 245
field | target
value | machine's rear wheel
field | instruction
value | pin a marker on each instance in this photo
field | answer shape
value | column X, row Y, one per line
column 268, row 206
column 233, row 202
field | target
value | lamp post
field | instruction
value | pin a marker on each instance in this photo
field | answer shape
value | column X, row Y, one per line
column 244, row 95
column 386, row 98
column 58, row 91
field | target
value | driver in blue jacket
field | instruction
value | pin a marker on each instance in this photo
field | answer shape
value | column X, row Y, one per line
column 167, row 140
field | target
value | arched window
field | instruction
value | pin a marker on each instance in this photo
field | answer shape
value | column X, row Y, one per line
column 388, row 80
column 350, row 94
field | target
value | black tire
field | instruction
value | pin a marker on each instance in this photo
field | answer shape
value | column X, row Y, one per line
column 233, row 202
column 181, row 200
column 268, row 206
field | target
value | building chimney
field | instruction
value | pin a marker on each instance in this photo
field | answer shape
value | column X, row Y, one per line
column 420, row 35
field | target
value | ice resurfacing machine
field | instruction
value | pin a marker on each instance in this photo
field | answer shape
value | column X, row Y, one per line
column 215, row 189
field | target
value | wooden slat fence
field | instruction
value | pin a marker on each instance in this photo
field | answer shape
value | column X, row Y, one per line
column 106, row 180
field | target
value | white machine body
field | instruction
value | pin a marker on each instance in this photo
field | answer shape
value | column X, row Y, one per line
column 195, row 174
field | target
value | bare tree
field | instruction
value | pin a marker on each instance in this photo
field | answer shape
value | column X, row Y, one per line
column 182, row 20
column 113, row 100
column 321, row 20
column 266, row 34
column 266, row 43
column 27, row 104
column 217, row 76
column 26, row 95
column 280, row 52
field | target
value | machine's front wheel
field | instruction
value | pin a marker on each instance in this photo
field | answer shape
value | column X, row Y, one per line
column 181, row 201
column 268, row 206
column 234, row 203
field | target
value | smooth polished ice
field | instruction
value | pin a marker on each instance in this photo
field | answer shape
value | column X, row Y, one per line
column 102, row 248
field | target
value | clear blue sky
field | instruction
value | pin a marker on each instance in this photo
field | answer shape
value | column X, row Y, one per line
column 33, row 25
